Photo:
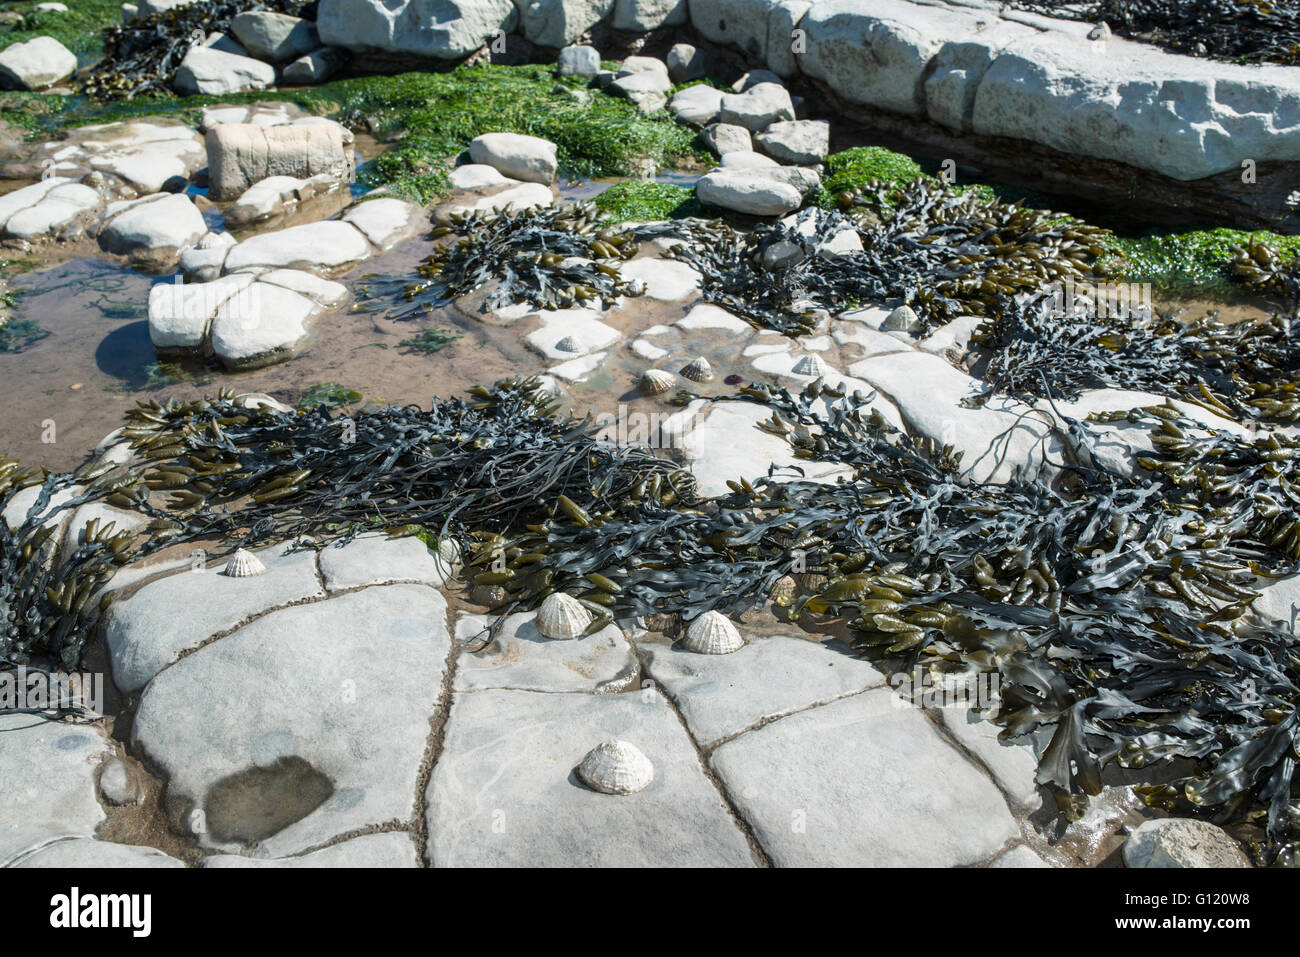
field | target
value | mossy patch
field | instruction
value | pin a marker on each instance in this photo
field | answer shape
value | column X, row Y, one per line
column 647, row 201
column 1192, row 262
column 855, row 168
column 80, row 28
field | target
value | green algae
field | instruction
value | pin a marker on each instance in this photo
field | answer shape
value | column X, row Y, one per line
column 79, row 28
column 644, row 200
column 1190, row 263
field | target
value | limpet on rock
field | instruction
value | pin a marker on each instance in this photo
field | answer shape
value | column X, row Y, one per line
column 783, row 591
column 244, row 564
column 697, row 370
column 616, row 767
column 569, row 344
column 712, row 634
column 810, row 365
column 562, row 617
column 655, row 382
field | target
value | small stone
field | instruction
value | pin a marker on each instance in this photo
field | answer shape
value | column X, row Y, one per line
column 527, row 158
column 1181, row 842
column 799, row 142
column 685, row 63
column 578, row 61
column 697, row 105
column 116, row 785
column 724, row 138
column 758, row 108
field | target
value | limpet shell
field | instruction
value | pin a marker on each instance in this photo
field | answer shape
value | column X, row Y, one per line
column 697, row 370
column 712, row 634
column 810, row 365
column 569, row 344
column 655, row 382
column 244, row 564
column 783, row 591
column 616, row 767
column 561, row 617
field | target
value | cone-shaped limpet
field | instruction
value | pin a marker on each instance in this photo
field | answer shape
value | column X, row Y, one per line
column 561, row 617
column 569, row 344
column 784, row 590
column 616, row 767
column 656, row 382
column 697, row 370
column 713, row 634
column 244, row 564
column 810, row 365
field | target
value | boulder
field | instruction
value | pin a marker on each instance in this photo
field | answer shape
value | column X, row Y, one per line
column 724, row 138
column 241, row 154
column 1184, row 117
column 209, row 71
column 645, row 64
column 557, row 23
column 424, row 29
column 801, row 142
column 697, row 105
column 316, row 67
column 180, row 314
column 36, row 65
column 752, row 79
column 527, row 158
column 685, row 63
column 642, row 16
column 744, row 192
column 649, row 91
column 578, row 61
column 153, row 229
column 270, row 332
column 274, row 195
column 59, row 212
column 757, row 108
column 737, row 23
column 323, row 246
column 274, row 37
column 783, row 17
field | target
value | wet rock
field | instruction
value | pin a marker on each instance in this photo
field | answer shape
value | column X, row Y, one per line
column 275, row 195
column 862, row 771
column 55, row 211
column 724, row 138
column 270, row 332
column 319, row 247
column 527, row 158
column 745, row 192
column 685, row 63
column 84, row 853
column 800, row 142
column 642, row 16
column 212, row 72
column 369, row 850
column 49, row 774
column 550, row 817
column 145, row 633
column 722, row 695
column 557, row 23
column 38, row 64
column 582, row 327
column 203, row 261
column 758, row 107
column 697, row 105
column 302, row 726
column 477, row 176
column 144, row 155
column 519, row 657
column 274, row 37
column 437, row 29
column 578, row 61
column 180, row 315
column 152, row 230
column 1181, row 842
column 316, row 67
column 664, row 279
column 386, row 221
column 523, row 196
column 241, row 154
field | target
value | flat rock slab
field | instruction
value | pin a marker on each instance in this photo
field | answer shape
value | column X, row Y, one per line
column 723, row 695
column 386, row 221
column 152, row 628
column 305, row 725
column 394, row 849
column 1013, row 764
column 381, row 560
column 48, row 769
column 520, row 658
column 863, row 782
column 84, row 853
column 505, row 791
column 317, row 247
column 665, row 279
